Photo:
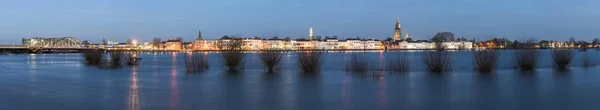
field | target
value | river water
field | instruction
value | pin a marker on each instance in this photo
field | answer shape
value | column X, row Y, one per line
column 62, row 81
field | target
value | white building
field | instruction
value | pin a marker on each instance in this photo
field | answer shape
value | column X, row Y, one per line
column 350, row 44
column 330, row 44
column 252, row 44
column 430, row 45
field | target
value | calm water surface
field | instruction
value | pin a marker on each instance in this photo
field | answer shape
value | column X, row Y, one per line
column 61, row 81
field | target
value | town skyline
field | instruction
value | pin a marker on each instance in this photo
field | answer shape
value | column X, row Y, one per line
column 121, row 20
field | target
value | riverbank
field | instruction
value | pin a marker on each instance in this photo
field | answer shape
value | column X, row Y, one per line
column 251, row 51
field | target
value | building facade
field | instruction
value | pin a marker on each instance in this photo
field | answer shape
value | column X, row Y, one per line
column 173, row 45
column 431, row 45
column 397, row 31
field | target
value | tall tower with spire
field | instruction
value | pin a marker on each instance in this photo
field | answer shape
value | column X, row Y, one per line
column 199, row 35
column 310, row 34
column 406, row 37
column 397, row 31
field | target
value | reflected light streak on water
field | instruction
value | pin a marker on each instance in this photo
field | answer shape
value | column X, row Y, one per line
column 288, row 92
column 346, row 95
column 253, row 89
column 382, row 94
column 133, row 102
column 37, row 83
column 174, row 98
column 33, row 73
column 412, row 90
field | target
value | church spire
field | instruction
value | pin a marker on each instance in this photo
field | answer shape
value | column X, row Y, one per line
column 398, row 23
column 310, row 34
column 199, row 35
column 397, row 31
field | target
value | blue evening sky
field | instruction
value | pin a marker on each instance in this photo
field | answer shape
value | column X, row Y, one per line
column 145, row 19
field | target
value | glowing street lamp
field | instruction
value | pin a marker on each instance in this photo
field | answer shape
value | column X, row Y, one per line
column 134, row 42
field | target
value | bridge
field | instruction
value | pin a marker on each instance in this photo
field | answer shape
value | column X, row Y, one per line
column 38, row 49
column 46, row 45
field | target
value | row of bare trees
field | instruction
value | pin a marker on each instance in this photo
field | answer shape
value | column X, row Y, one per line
column 483, row 60
column 439, row 60
column 435, row 61
column 233, row 58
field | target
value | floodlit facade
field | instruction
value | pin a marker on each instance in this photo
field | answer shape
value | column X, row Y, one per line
column 173, row 45
column 300, row 44
column 252, row 44
column 350, row 44
column 431, row 45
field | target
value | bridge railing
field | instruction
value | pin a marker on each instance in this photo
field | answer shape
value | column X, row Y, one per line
column 12, row 46
column 24, row 47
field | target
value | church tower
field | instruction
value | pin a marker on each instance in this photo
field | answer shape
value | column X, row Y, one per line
column 310, row 34
column 397, row 31
column 199, row 35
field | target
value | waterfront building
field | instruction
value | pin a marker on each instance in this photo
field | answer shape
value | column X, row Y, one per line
column 187, row 45
column 349, row 44
column 173, row 45
column 303, row 44
column 206, row 44
column 277, row 44
column 252, row 44
column 431, row 45
column 330, row 44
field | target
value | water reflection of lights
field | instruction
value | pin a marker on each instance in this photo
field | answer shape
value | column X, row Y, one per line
column 133, row 102
column 288, row 95
column 32, row 60
column 346, row 95
column 33, row 80
column 174, row 98
column 382, row 94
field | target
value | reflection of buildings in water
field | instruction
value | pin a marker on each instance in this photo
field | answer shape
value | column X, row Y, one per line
column 32, row 73
column 382, row 95
column 287, row 92
column 32, row 60
column 413, row 95
column 133, row 102
column 346, row 93
column 174, row 96
column 253, row 93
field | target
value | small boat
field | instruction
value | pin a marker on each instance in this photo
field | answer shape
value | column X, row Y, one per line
column 133, row 60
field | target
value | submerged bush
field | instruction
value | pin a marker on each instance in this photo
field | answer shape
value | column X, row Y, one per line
column 485, row 60
column 526, row 59
column 562, row 58
column 196, row 63
column 271, row 59
column 587, row 62
column 357, row 63
column 233, row 60
column 310, row 62
column 398, row 63
column 93, row 57
column 437, row 61
column 116, row 58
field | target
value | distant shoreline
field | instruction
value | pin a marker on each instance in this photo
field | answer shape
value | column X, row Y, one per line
column 4, row 52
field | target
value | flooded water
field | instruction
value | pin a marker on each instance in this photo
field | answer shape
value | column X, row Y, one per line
column 62, row 81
